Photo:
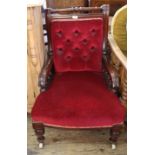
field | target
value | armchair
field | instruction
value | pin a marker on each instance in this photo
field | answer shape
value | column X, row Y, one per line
column 78, row 83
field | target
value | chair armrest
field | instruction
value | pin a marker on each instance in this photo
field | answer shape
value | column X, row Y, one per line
column 117, row 51
column 46, row 73
column 112, row 77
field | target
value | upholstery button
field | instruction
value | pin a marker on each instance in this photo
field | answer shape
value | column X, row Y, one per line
column 85, row 57
column 68, row 58
column 59, row 51
column 76, row 33
column 59, row 34
column 68, row 42
column 76, row 49
column 93, row 32
column 85, row 41
column 93, row 49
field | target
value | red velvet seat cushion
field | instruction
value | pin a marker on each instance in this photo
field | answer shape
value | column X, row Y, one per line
column 78, row 100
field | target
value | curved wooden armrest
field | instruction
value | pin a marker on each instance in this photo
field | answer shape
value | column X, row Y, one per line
column 117, row 51
column 45, row 74
column 112, row 77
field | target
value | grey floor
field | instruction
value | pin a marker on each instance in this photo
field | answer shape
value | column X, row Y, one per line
column 75, row 142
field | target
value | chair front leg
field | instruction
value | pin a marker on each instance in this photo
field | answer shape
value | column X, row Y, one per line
column 114, row 135
column 39, row 131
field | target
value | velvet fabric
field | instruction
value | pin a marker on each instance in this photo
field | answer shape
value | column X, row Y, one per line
column 78, row 100
column 77, row 96
column 77, row 44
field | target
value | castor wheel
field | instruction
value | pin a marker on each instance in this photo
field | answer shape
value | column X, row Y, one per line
column 113, row 146
column 41, row 145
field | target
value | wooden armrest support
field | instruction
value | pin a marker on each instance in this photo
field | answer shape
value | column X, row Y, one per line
column 46, row 73
column 111, row 77
column 117, row 51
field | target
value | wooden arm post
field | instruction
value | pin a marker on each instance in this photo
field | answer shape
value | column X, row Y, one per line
column 46, row 73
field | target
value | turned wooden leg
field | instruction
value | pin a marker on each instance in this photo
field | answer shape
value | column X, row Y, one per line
column 39, row 131
column 124, row 93
column 114, row 135
column 124, row 89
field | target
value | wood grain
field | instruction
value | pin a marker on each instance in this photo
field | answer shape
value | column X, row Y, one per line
column 114, row 4
column 120, row 62
column 117, row 51
column 123, row 80
column 35, row 53
column 65, row 3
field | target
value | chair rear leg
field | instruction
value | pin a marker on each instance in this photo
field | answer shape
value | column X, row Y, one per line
column 114, row 135
column 39, row 131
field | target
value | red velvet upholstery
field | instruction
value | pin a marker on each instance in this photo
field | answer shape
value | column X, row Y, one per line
column 78, row 100
column 77, row 96
column 77, row 44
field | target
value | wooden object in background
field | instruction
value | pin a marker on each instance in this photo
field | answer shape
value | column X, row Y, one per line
column 123, row 74
column 118, row 40
column 57, row 4
column 114, row 4
column 120, row 64
column 35, row 53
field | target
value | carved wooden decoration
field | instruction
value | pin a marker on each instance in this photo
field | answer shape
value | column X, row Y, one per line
column 124, row 86
column 65, row 3
column 114, row 4
column 35, row 52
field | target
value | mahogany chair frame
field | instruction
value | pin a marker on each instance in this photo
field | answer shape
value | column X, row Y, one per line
column 51, row 4
column 47, row 72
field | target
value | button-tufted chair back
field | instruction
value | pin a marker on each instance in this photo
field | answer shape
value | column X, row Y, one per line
column 77, row 39
column 77, row 44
